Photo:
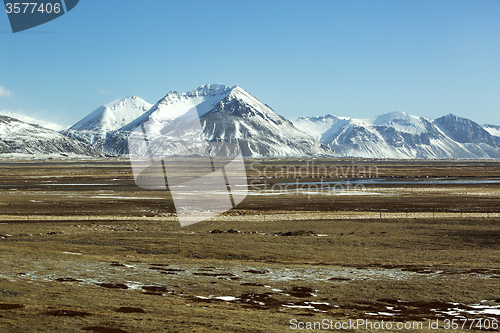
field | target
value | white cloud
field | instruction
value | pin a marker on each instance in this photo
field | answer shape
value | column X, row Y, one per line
column 104, row 92
column 5, row 92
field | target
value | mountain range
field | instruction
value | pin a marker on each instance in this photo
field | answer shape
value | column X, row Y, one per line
column 231, row 114
column 400, row 135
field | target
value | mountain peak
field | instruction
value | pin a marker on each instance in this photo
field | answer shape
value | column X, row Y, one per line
column 391, row 116
column 319, row 118
column 464, row 130
column 121, row 101
column 454, row 119
column 214, row 89
column 175, row 104
column 398, row 113
column 208, row 89
column 113, row 115
column 203, row 91
column 401, row 121
column 451, row 116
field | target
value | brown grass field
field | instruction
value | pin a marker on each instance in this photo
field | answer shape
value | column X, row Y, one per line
column 84, row 249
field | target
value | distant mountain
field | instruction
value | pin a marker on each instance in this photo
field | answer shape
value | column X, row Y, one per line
column 114, row 115
column 471, row 135
column 29, row 120
column 100, row 129
column 17, row 137
column 399, row 135
column 466, row 131
column 227, row 114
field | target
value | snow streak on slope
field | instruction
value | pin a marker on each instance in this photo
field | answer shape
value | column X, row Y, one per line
column 30, row 120
column 22, row 138
column 492, row 129
column 113, row 115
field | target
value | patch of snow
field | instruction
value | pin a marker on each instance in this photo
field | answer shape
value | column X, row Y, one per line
column 226, row 298
column 492, row 129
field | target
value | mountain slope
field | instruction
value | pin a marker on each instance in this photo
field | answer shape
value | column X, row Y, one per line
column 23, row 138
column 226, row 114
column 242, row 118
column 113, row 115
column 30, row 120
column 175, row 105
column 466, row 131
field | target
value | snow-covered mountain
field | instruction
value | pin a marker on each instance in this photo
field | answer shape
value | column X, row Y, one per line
column 30, row 120
column 226, row 114
column 114, row 115
column 18, row 137
column 400, row 135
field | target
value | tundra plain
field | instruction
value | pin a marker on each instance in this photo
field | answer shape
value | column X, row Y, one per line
column 84, row 249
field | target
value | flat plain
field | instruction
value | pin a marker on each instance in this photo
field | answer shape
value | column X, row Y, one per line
column 84, row 249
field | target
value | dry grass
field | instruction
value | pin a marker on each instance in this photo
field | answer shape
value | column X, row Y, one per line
column 105, row 258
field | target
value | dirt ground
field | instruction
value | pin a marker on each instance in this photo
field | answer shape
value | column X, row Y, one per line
column 84, row 249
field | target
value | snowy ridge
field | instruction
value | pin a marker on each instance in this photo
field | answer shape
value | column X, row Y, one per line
column 399, row 135
column 175, row 105
column 17, row 137
column 260, row 131
column 401, row 122
column 30, row 120
column 113, row 115
column 113, row 143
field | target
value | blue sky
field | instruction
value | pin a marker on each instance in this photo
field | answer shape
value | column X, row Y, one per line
column 348, row 58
